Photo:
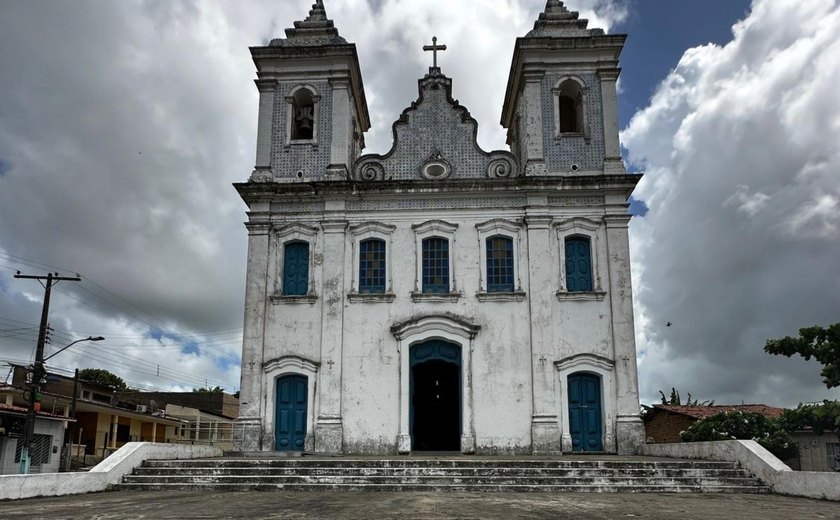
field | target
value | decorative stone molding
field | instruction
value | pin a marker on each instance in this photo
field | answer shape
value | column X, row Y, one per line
column 434, row 228
column 281, row 235
column 451, row 297
column 584, row 123
column 580, row 296
column 278, row 367
column 502, row 167
column 602, row 367
column 364, row 231
column 436, row 167
column 370, row 170
column 356, row 297
column 513, row 230
column 448, row 323
column 290, row 114
column 514, row 296
column 446, row 327
column 593, row 230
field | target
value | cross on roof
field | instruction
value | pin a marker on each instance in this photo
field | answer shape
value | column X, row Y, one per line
column 434, row 47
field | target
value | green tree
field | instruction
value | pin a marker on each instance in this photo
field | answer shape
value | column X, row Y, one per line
column 743, row 425
column 675, row 399
column 820, row 343
column 103, row 377
column 818, row 417
column 217, row 389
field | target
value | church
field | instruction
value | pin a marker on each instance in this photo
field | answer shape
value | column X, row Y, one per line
column 439, row 297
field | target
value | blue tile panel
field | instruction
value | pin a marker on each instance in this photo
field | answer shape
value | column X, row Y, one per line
column 311, row 160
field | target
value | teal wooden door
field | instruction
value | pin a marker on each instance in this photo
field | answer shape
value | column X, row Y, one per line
column 290, row 415
column 585, row 412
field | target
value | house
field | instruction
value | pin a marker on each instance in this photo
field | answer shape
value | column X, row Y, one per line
column 664, row 422
column 209, row 415
column 439, row 297
column 102, row 425
column 49, row 435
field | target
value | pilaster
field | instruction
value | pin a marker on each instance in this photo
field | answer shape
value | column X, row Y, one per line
column 265, row 120
column 341, row 138
column 630, row 430
column 533, row 124
column 248, row 435
column 329, row 432
column 545, row 427
column 609, row 99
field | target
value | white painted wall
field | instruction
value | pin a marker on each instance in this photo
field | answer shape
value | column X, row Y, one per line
column 758, row 461
column 105, row 474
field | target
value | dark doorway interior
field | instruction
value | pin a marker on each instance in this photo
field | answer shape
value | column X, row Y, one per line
column 436, row 406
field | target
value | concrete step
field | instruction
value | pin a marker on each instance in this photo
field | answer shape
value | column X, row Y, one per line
column 454, row 463
column 521, row 471
column 447, row 488
column 439, row 474
column 440, row 479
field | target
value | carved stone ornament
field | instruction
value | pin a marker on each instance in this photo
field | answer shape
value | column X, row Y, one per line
column 501, row 168
column 261, row 175
column 435, row 167
column 370, row 171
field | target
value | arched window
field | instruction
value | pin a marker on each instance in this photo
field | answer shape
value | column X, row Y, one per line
column 295, row 269
column 435, row 265
column 499, row 264
column 570, row 104
column 578, row 264
column 372, row 266
column 303, row 115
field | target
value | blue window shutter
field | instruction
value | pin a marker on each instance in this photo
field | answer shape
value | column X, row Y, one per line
column 372, row 266
column 435, row 265
column 578, row 265
column 499, row 264
column 296, row 269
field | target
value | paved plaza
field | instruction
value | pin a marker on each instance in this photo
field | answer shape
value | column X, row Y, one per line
column 129, row 505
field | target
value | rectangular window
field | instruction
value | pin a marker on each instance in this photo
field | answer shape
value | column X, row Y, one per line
column 832, row 450
column 296, row 269
column 372, row 266
column 499, row 264
column 435, row 265
column 40, row 451
column 578, row 265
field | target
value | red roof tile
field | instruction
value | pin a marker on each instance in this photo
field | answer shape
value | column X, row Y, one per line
column 699, row 412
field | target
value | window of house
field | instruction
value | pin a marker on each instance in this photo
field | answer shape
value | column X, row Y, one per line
column 302, row 108
column 435, row 265
column 578, row 264
column 303, row 115
column 500, row 264
column 832, row 450
column 295, row 269
column 569, row 107
column 39, row 454
column 436, row 277
column 372, row 266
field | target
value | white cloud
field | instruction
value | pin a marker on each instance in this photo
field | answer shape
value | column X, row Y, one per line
column 123, row 125
column 741, row 144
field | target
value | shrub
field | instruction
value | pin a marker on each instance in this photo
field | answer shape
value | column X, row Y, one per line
column 743, row 425
column 820, row 418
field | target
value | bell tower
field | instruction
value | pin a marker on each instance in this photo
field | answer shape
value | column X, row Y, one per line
column 312, row 109
column 560, row 107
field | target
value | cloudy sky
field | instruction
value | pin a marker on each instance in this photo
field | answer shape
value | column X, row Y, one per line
column 123, row 125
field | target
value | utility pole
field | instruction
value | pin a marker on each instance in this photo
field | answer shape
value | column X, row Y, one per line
column 72, row 425
column 38, row 371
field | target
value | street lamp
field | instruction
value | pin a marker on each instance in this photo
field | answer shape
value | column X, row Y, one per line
column 62, row 349
column 38, row 374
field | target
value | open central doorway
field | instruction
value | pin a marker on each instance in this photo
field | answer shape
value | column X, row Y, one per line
column 436, row 396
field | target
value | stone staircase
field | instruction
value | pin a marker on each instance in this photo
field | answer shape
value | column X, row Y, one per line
column 637, row 475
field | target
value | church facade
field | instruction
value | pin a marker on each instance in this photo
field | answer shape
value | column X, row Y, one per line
column 439, row 297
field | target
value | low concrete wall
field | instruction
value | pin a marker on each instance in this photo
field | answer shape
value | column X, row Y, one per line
column 108, row 472
column 757, row 460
